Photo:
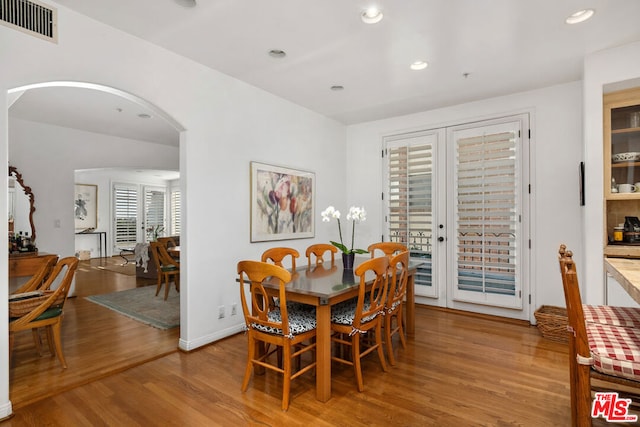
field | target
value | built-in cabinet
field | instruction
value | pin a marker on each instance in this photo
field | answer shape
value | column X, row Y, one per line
column 622, row 171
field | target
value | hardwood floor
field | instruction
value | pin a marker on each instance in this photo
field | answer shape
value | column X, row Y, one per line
column 97, row 342
column 459, row 370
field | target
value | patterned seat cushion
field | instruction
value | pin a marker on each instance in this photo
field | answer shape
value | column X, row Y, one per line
column 345, row 312
column 300, row 321
column 608, row 315
column 615, row 350
column 295, row 306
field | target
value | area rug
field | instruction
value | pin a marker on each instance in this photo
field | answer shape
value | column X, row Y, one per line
column 142, row 305
column 128, row 269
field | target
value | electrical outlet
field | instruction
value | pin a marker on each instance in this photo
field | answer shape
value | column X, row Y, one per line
column 234, row 309
column 221, row 312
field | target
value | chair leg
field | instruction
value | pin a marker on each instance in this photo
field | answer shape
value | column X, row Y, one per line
column 250, row 357
column 37, row 340
column 583, row 395
column 403, row 340
column 159, row 286
column 55, row 328
column 166, row 287
column 50, row 341
column 388, row 321
column 355, row 355
column 286, row 382
column 383, row 363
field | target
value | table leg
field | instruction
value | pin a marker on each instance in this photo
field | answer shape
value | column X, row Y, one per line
column 323, row 352
column 410, row 307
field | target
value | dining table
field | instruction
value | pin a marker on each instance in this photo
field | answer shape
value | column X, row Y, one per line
column 174, row 251
column 324, row 286
column 626, row 271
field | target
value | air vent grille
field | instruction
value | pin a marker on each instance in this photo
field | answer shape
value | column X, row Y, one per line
column 31, row 17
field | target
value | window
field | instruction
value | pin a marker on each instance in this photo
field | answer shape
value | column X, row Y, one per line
column 175, row 212
column 125, row 215
column 154, row 212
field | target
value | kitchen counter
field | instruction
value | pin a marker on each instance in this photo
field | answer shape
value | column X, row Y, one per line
column 626, row 271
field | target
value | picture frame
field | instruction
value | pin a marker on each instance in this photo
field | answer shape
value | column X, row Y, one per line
column 282, row 203
column 85, row 212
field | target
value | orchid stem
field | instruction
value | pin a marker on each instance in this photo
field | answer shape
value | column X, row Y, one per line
column 340, row 232
column 353, row 233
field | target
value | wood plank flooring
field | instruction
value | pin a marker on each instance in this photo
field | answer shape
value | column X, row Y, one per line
column 97, row 342
column 459, row 370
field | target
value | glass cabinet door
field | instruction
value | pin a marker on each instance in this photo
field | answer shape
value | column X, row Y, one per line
column 621, row 171
column 625, row 150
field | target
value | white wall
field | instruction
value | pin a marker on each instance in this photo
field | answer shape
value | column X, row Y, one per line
column 600, row 69
column 228, row 123
column 556, row 152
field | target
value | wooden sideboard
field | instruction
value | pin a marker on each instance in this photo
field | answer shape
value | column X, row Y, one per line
column 24, row 266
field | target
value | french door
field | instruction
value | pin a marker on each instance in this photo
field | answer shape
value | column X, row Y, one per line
column 137, row 212
column 456, row 197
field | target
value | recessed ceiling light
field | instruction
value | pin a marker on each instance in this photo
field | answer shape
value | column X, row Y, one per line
column 419, row 65
column 337, row 87
column 373, row 15
column 277, row 53
column 580, row 16
column 144, row 116
column 186, row 3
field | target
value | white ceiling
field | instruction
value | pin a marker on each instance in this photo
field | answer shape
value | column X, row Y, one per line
column 505, row 46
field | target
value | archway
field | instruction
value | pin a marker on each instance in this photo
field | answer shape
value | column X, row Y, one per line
column 64, row 172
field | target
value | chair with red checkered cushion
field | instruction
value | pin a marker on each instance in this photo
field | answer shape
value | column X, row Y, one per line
column 607, row 353
column 629, row 317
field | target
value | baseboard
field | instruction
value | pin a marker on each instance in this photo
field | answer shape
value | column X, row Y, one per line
column 6, row 411
column 189, row 345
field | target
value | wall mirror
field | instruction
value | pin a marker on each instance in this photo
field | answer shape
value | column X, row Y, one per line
column 21, row 206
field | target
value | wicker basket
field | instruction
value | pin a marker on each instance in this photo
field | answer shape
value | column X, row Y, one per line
column 552, row 322
column 21, row 307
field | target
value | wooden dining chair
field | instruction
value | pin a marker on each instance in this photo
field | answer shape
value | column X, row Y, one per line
column 602, row 357
column 394, row 304
column 349, row 319
column 318, row 250
column 292, row 332
column 279, row 254
column 168, row 268
column 167, row 241
column 387, row 248
column 278, row 257
column 38, row 282
column 48, row 312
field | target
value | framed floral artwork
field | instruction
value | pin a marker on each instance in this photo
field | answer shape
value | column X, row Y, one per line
column 282, row 203
column 85, row 207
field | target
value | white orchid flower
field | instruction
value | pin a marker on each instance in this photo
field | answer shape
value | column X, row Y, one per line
column 356, row 214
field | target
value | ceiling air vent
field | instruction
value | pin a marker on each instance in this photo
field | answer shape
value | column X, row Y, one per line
column 30, row 17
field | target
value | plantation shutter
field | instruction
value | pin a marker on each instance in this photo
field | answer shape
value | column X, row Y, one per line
column 409, row 200
column 154, row 210
column 175, row 213
column 487, row 214
column 125, row 215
